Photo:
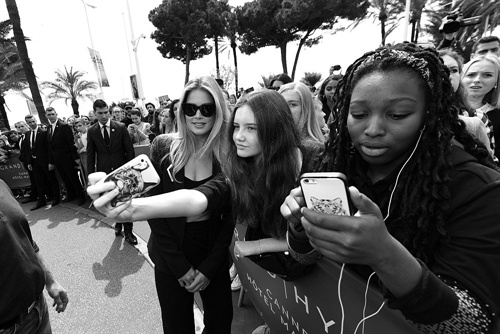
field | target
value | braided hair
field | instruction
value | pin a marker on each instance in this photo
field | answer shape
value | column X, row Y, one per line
column 422, row 195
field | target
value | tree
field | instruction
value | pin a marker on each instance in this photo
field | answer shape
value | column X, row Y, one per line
column 266, row 80
column 488, row 10
column 231, row 31
column 277, row 22
column 181, row 27
column 217, row 16
column 312, row 78
column 70, row 86
column 12, row 77
column 226, row 73
column 24, row 57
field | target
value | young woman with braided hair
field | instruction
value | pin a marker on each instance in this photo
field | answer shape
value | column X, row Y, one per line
column 423, row 188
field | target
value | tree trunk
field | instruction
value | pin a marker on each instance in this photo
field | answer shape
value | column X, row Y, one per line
column 235, row 68
column 4, row 120
column 283, row 57
column 188, row 60
column 75, row 105
column 216, row 42
column 25, row 60
column 295, row 62
column 382, row 31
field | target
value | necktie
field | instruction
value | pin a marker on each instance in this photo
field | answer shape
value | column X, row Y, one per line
column 50, row 133
column 105, row 134
column 33, row 140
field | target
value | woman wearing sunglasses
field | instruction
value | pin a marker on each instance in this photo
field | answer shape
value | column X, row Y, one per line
column 191, row 253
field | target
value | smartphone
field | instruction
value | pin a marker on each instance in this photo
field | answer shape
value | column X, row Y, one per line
column 326, row 193
column 133, row 179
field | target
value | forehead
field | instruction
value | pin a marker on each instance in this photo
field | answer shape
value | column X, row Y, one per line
column 50, row 112
column 449, row 61
column 386, row 86
column 488, row 46
column 244, row 115
column 199, row 97
column 104, row 110
column 483, row 65
column 291, row 95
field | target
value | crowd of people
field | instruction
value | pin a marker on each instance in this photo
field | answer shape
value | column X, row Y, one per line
column 415, row 131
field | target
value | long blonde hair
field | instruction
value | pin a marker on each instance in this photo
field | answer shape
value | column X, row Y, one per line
column 307, row 124
column 184, row 144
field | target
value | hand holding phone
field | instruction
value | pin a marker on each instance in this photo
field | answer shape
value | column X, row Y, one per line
column 133, row 179
column 326, row 193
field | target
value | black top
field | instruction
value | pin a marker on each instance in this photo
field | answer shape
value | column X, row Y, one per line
column 21, row 275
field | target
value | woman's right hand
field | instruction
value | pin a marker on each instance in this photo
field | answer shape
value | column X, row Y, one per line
column 290, row 209
column 103, row 193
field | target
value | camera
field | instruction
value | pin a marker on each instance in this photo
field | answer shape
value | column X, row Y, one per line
column 455, row 21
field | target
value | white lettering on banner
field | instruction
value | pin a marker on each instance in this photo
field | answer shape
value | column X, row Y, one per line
column 327, row 324
column 287, row 319
column 6, row 167
column 306, row 303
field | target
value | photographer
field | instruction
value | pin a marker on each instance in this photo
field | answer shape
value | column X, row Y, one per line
column 450, row 26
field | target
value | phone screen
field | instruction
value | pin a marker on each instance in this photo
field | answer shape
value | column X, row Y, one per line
column 326, row 193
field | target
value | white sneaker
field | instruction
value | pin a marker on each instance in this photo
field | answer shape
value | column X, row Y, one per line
column 236, row 284
column 262, row 329
column 232, row 272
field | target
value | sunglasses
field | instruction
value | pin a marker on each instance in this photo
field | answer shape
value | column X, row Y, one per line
column 207, row 110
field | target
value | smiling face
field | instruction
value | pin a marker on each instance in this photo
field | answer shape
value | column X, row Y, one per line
column 136, row 119
column 245, row 135
column 480, row 78
column 198, row 124
column 386, row 115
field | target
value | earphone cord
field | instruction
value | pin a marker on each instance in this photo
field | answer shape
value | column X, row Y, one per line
column 373, row 273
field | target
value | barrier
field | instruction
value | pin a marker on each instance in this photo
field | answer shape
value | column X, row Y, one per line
column 13, row 173
column 311, row 303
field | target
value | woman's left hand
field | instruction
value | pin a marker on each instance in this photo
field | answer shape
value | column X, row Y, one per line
column 246, row 248
column 200, row 283
column 361, row 239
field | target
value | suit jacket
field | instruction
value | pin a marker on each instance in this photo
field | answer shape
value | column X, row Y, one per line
column 40, row 149
column 102, row 158
column 61, row 146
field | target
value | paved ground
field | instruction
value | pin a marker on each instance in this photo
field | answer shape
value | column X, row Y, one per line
column 110, row 283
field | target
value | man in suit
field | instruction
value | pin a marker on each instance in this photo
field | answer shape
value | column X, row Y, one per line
column 36, row 155
column 108, row 147
column 23, row 128
column 64, row 156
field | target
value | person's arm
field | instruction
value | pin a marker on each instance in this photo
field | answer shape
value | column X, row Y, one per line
column 179, row 203
column 261, row 246
column 54, row 288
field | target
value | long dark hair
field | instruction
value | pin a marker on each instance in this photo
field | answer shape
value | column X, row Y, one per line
column 260, row 184
column 422, row 195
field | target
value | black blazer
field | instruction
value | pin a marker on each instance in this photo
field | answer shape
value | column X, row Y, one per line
column 167, row 234
column 102, row 158
column 40, row 151
column 62, row 146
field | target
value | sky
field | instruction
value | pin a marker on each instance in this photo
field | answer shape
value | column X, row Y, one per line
column 59, row 36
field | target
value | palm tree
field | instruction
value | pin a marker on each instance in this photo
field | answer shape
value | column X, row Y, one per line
column 387, row 12
column 24, row 57
column 70, row 86
column 312, row 78
column 12, row 77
